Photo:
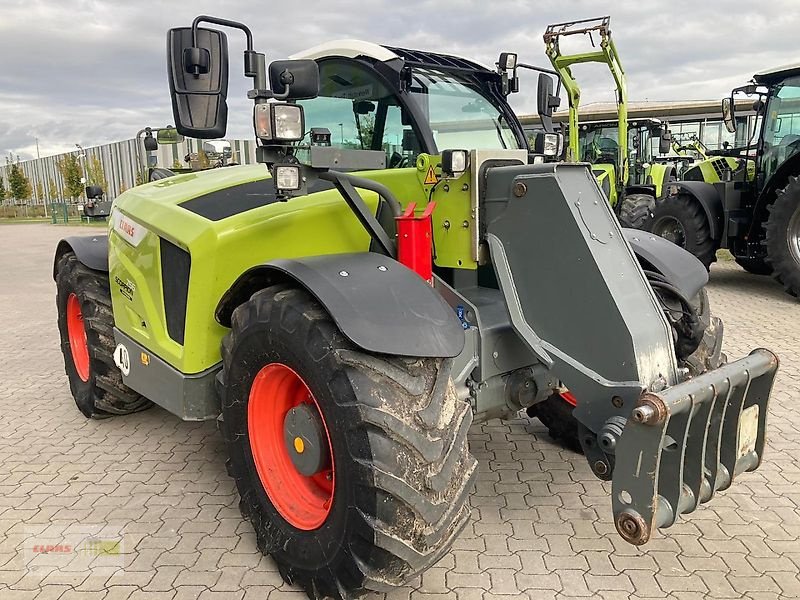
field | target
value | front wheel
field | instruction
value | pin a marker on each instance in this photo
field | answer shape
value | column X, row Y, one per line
column 681, row 220
column 783, row 237
column 636, row 211
column 353, row 468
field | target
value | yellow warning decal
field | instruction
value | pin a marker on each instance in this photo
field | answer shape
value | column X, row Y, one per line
column 430, row 178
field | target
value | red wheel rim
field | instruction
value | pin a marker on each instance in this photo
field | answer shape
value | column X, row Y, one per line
column 303, row 501
column 569, row 398
column 77, row 337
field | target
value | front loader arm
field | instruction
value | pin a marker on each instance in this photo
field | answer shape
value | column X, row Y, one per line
column 606, row 54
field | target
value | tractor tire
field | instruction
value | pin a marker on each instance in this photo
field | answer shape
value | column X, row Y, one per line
column 555, row 412
column 636, row 211
column 783, row 237
column 756, row 266
column 86, row 324
column 386, row 488
column 681, row 220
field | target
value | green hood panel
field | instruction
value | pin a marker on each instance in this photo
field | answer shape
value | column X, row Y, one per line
column 220, row 250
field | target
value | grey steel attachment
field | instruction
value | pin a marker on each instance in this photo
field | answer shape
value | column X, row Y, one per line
column 683, row 444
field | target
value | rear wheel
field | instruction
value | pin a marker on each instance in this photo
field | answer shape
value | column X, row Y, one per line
column 636, row 210
column 681, row 220
column 353, row 467
column 86, row 326
column 756, row 266
column 783, row 237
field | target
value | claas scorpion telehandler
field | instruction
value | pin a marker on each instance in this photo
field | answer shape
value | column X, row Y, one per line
column 346, row 329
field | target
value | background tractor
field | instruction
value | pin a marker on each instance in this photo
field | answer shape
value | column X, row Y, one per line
column 621, row 155
column 345, row 329
column 745, row 198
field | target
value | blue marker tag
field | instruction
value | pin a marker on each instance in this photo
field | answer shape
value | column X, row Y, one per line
column 460, row 314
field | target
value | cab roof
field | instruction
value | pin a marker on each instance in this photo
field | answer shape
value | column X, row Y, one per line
column 350, row 48
column 776, row 74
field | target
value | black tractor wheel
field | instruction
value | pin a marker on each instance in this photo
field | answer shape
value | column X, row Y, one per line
column 353, row 467
column 756, row 266
column 699, row 350
column 783, row 237
column 636, row 211
column 86, row 323
column 681, row 220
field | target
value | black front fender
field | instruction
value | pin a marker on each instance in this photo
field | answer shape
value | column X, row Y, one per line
column 377, row 303
column 92, row 251
column 709, row 199
column 679, row 267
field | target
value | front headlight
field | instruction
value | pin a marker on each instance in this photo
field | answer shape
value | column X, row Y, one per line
column 288, row 122
column 278, row 122
column 549, row 144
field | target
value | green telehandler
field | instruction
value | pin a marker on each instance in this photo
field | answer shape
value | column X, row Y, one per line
column 746, row 198
column 347, row 307
column 632, row 186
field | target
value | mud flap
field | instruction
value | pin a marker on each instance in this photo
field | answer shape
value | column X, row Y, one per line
column 683, row 444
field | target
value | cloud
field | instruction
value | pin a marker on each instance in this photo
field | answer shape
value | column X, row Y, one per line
column 83, row 71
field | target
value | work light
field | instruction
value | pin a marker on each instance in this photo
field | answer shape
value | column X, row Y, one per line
column 454, row 162
column 287, row 178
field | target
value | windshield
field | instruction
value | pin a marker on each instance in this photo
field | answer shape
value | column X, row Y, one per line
column 781, row 126
column 599, row 145
column 459, row 115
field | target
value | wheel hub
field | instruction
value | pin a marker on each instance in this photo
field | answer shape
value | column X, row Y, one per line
column 305, row 439
column 793, row 236
column 670, row 229
column 291, row 446
column 76, row 331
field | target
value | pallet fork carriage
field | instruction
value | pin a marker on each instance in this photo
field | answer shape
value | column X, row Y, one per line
column 348, row 328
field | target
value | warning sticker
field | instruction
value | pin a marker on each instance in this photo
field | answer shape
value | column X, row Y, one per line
column 430, row 178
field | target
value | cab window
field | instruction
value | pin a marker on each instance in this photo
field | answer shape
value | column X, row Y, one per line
column 361, row 113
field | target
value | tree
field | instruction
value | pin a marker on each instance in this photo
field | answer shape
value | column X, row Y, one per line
column 95, row 174
column 40, row 191
column 52, row 189
column 18, row 183
column 70, row 169
column 2, row 189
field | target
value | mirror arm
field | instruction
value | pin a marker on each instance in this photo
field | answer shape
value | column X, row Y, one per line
column 225, row 23
column 543, row 70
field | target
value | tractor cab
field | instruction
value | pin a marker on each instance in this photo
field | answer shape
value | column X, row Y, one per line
column 407, row 102
column 599, row 144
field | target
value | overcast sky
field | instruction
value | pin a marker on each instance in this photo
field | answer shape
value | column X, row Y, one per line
column 89, row 72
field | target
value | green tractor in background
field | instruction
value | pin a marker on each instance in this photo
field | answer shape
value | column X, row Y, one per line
column 621, row 153
column 747, row 198
column 346, row 329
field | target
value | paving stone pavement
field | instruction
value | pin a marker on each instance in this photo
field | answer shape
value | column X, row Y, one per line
column 541, row 523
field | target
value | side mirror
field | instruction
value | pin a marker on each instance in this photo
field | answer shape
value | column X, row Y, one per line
column 93, row 192
column 728, row 115
column 169, row 135
column 198, row 81
column 150, row 142
column 294, row 79
column 665, row 142
column 546, row 101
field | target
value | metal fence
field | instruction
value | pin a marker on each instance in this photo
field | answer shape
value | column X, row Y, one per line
column 121, row 167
